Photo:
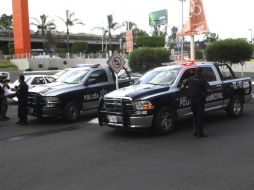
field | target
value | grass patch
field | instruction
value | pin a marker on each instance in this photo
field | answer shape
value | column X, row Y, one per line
column 4, row 64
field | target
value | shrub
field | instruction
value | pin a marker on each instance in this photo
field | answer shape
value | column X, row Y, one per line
column 147, row 41
column 144, row 59
column 229, row 50
column 78, row 47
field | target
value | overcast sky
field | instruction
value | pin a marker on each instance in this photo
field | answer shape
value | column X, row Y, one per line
column 227, row 18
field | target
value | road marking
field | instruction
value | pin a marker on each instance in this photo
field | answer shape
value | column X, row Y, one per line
column 94, row 121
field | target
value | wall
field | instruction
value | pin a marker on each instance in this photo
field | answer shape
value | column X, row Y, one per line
column 33, row 64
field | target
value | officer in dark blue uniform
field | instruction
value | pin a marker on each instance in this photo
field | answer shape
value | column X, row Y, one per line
column 22, row 94
column 197, row 89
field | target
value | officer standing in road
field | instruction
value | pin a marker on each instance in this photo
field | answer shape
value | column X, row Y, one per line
column 4, row 103
column 1, row 97
column 22, row 94
column 197, row 89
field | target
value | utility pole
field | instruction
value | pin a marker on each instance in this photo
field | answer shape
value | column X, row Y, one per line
column 182, row 38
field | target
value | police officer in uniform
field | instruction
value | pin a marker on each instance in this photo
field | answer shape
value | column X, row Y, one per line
column 4, row 103
column 197, row 89
column 1, row 97
column 22, row 93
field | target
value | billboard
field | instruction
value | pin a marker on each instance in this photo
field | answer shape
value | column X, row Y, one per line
column 158, row 18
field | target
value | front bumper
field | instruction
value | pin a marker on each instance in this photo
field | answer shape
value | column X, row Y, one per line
column 44, row 111
column 129, row 122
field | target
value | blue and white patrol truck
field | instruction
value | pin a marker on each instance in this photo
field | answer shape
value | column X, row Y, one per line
column 156, row 100
column 78, row 89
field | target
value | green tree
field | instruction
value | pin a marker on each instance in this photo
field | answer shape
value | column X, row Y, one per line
column 6, row 24
column 211, row 37
column 44, row 25
column 147, row 41
column 229, row 51
column 79, row 47
column 69, row 21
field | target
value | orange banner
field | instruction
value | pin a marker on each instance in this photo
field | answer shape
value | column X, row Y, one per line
column 196, row 24
column 129, row 41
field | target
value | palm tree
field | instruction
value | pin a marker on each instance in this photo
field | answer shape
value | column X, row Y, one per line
column 44, row 26
column 174, row 31
column 111, row 26
column 69, row 21
column 130, row 25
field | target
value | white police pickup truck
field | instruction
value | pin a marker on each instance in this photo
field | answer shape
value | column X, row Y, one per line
column 78, row 89
column 156, row 100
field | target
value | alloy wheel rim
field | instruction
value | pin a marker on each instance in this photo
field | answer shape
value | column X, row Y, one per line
column 166, row 120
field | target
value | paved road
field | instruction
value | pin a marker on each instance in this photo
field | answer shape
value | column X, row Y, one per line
column 53, row 155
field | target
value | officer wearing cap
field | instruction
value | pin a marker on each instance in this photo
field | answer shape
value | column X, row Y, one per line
column 22, row 94
column 4, row 103
column 197, row 89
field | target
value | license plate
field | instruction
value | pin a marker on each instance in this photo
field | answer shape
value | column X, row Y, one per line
column 112, row 119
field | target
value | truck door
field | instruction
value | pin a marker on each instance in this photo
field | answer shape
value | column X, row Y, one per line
column 96, row 86
column 215, row 99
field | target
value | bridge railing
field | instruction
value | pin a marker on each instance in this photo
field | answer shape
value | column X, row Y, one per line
column 59, row 56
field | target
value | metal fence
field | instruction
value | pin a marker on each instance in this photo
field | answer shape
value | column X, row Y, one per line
column 59, row 56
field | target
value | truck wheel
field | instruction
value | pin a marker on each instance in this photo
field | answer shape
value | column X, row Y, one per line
column 235, row 107
column 164, row 121
column 71, row 112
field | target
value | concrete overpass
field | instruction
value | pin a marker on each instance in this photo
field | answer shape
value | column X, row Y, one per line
column 94, row 41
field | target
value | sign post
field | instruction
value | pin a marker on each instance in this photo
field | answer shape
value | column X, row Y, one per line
column 116, row 63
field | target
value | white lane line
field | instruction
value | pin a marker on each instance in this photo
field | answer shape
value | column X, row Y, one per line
column 94, row 121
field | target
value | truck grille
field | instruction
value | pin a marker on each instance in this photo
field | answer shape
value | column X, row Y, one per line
column 117, row 105
column 35, row 99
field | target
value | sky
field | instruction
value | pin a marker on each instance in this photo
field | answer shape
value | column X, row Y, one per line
column 227, row 18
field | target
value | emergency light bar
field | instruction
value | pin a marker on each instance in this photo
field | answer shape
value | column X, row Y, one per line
column 188, row 63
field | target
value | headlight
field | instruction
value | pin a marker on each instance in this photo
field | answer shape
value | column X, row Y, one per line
column 143, row 105
column 52, row 100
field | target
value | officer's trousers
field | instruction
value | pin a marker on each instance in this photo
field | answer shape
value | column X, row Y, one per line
column 4, row 107
column 22, row 111
column 198, row 109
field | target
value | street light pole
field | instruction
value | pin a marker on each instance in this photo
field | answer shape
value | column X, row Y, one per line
column 182, row 36
column 250, row 35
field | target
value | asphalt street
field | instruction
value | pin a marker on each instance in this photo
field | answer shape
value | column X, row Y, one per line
column 49, row 154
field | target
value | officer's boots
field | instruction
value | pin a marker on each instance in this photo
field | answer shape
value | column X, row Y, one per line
column 201, row 134
column 195, row 132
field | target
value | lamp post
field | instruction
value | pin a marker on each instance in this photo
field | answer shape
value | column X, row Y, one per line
column 182, row 29
column 250, row 35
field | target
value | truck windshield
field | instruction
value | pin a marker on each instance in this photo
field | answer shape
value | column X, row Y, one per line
column 73, row 76
column 159, row 76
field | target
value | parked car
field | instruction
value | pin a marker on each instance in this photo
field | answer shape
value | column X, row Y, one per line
column 32, row 81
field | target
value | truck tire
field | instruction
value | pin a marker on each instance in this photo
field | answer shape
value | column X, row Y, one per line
column 235, row 107
column 164, row 121
column 71, row 112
